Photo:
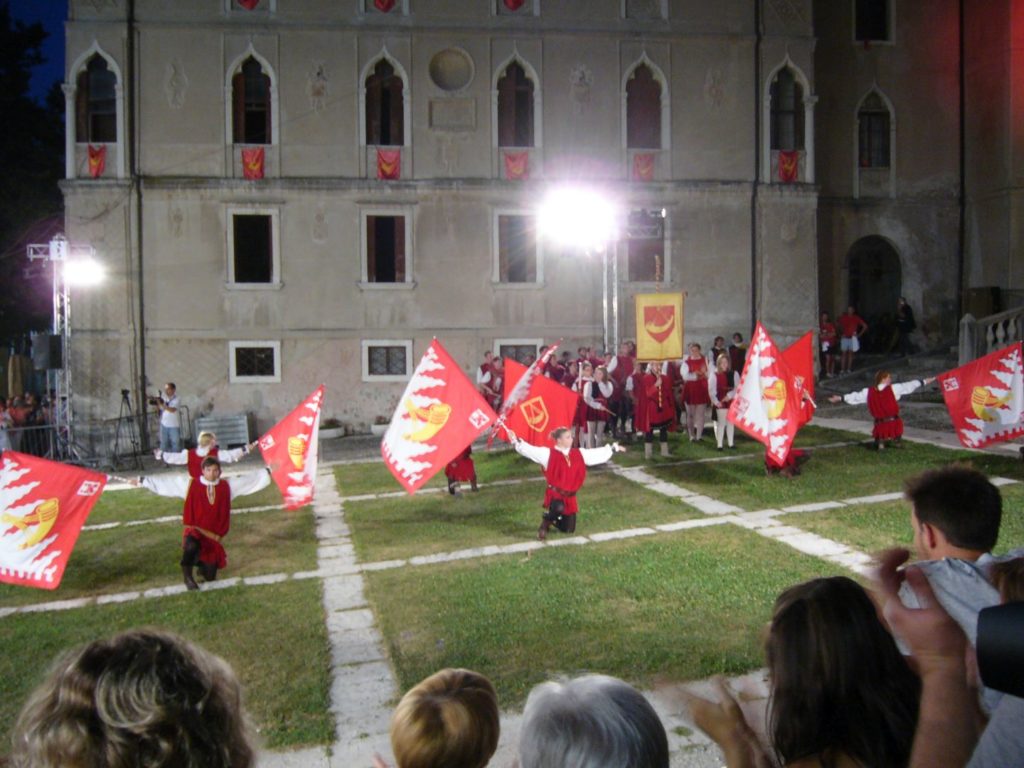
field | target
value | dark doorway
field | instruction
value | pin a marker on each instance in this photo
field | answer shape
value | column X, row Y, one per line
column 876, row 284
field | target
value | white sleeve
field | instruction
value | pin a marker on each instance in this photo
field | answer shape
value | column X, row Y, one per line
column 174, row 457
column 905, row 388
column 248, row 483
column 233, row 455
column 857, row 398
column 592, row 456
column 174, row 486
column 535, row 453
column 588, row 395
column 612, row 364
column 687, row 374
column 713, row 389
column 629, row 384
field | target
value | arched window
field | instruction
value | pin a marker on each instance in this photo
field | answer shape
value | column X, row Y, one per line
column 873, row 133
column 385, row 120
column 787, row 104
column 515, row 108
column 250, row 98
column 96, row 103
column 643, row 110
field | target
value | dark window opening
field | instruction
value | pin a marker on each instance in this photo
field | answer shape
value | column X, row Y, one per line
column 385, row 249
column 517, row 249
column 96, row 103
column 643, row 110
column 515, row 108
column 387, row 361
column 873, row 134
column 384, row 109
column 254, row 250
column 787, row 125
column 521, row 353
column 250, row 93
column 254, row 361
column 872, row 20
column 645, row 254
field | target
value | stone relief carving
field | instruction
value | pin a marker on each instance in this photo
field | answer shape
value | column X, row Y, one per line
column 714, row 89
column 789, row 231
column 580, row 81
column 788, row 11
column 176, row 221
column 318, row 230
column 176, row 84
column 643, row 9
column 318, row 87
column 448, row 152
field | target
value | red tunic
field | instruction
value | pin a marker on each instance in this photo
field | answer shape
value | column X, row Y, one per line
column 724, row 383
column 624, row 365
column 195, row 461
column 208, row 507
column 886, row 411
column 660, row 407
column 695, row 392
column 596, row 414
column 461, row 468
column 565, row 473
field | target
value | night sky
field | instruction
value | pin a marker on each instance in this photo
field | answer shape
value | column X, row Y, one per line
column 51, row 14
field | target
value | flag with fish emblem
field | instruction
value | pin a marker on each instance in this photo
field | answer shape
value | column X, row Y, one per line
column 44, row 505
column 389, row 164
column 643, row 166
column 545, row 406
column 291, row 451
column 97, row 160
column 517, row 165
column 253, row 163
column 766, row 407
column 799, row 356
column 985, row 398
column 438, row 415
column 659, row 326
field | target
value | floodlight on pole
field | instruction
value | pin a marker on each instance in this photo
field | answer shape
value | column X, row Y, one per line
column 581, row 217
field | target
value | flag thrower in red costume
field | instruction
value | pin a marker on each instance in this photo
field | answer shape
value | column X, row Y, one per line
column 206, row 516
column 799, row 358
column 985, row 398
column 883, row 406
column 565, row 469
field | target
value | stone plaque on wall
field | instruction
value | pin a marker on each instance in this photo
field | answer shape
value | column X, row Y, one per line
column 453, row 114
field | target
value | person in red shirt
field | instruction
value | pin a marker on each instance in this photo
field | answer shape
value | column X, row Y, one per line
column 565, row 469
column 883, row 406
column 828, row 338
column 695, row 392
column 655, row 408
column 852, row 327
column 461, row 469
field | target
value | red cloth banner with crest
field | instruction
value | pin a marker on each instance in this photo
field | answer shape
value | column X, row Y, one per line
column 643, row 166
column 43, row 506
column 514, row 5
column 291, row 449
column 253, row 162
column 546, row 406
column 438, row 415
column 766, row 407
column 517, row 165
column 389, row 164
column 248, row 4
column 384, row 6
column 985, row 398
column 789, row 165
column 97, row 160
column 799, row 356
column 659, row 326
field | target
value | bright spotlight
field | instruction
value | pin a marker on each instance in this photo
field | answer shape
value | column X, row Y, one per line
column 83, row 272
column 577, row 217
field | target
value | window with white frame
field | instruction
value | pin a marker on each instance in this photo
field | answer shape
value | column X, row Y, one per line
column 521, row 350
column 386, row 359
column 251, row 104
column 873, row 133
column 254, row 362
column 253, row 247
column 384, row 106
column 787, row 111
column 96, row 103
column 515, row 107
column 645, row 245
column 643, row 109
column 386, row 242
column 516, row 248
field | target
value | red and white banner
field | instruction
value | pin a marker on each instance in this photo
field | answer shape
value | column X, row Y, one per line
column 43, row 506
column 384, row 6
column 248, row 4
column 765, row 407
column 545, row 406
column 439, row 414
column 389, row 164
column 985, row 398
column 253, row 163
column 517, row 165
column 97, row 160
column 643, row 166
column 518, row 394
column 789, row 165
column 514, row 5
column 799, row 356
column 291, row 450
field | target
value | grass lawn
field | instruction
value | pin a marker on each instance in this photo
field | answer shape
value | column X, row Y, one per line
column 139, row 557
column 384, row 529
column 681, row 607
column 833, row 473
column 873, row 527
column 273, row 636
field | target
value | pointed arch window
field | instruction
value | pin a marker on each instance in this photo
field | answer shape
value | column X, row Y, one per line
column 250, row 95
column 385, row 119
column 873, row 133
column 515, row 108
column 787, row 115
column 643, row 110
column 96, row 103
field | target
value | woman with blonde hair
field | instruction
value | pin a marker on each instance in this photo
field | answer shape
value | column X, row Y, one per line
column 449, row 720
column 597, row 393
column 722, row 390
column 144, row 697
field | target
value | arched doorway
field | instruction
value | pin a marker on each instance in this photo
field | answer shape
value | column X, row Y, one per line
column 875, row 284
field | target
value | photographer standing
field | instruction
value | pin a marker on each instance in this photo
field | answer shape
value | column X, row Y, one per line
column 170, row 422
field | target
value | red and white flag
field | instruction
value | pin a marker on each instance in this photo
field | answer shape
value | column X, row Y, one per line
column 799, row 356
column 44, row 505
column 439, row 414
column 545, row 406
column 985, row 398
column 291, row 450
column 766, row 407
column 518, row 393
column 253, row 163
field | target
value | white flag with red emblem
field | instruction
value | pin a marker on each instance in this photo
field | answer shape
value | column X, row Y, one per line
column 985, row 398
column 43, row 506
column 290, row 449
column 439, row 414
column 766, row 406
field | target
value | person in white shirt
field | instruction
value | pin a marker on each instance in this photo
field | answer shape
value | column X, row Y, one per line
column 170, row 421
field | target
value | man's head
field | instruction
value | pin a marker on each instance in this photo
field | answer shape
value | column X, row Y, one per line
column 850, row 310
column 488, row 356
column 211, row 468
column 883, row 379
column 955, row 512
column 170, row 389
column 719, row 342
column 737, row 338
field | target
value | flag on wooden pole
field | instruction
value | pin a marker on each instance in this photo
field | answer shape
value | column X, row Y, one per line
column 291, row 449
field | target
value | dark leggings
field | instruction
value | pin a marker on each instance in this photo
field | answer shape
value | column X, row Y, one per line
column 662, row 433
column 190, row 558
